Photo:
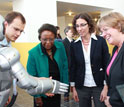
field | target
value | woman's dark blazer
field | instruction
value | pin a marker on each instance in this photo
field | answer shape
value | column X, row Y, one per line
column 99, row 56
column 38, row 66
column 67, row 44
column 115, row 78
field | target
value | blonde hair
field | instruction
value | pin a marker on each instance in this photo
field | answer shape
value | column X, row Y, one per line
column 114, row 20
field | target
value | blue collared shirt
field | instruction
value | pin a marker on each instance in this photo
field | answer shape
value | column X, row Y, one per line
column 5, row 43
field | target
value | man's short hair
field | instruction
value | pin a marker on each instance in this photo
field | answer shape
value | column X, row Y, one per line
column 67, row 29
column 12, row 15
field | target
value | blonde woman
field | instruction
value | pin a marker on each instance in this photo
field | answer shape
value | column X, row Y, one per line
column 112, row 29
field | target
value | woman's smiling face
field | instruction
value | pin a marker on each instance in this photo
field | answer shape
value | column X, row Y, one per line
column 110, row 34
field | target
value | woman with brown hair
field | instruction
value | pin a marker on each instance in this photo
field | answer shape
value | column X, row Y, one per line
column 89, row 56
column 112, row 29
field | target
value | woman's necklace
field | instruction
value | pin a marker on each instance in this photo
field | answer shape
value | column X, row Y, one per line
column 86, row 42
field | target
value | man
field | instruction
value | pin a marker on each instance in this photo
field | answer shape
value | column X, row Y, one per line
column 14, row 25
column 12, row 28
column 67, row 42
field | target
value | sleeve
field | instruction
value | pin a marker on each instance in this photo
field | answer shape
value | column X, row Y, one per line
column 31, row 68
column 120, row 89
column 118, row 94
column 72, row 66
column 115, row 99
column 105, row 53
column 65, row 66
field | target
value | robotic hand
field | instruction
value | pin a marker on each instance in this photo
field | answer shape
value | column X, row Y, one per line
column 9, row 60
column 59, row 88
column 53, row 86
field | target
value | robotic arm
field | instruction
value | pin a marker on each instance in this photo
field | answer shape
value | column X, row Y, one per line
column 9, row 60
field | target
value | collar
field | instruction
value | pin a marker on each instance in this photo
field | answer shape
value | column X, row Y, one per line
column 93, row 36
column 70, row 40
column 55, row 44
column 4, row 43
column 44, row 50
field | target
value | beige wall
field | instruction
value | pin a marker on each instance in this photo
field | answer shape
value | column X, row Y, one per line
column 62, row 22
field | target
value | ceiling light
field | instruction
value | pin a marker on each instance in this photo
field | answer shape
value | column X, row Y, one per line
column 95, row 19
column 69, row 24
column 70, row 13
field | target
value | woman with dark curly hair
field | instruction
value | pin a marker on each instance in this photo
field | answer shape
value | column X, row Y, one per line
column 48, row 59
column 89, row 56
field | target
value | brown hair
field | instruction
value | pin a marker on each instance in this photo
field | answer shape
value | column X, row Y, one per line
column 12, row 15
column 86, row 17
column 114, row 20
column 67, row 29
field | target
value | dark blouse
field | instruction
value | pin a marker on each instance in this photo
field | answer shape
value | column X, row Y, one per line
column 53, row 66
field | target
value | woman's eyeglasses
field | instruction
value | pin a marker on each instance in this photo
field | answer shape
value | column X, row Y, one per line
column 81, row 25
column 50, row 39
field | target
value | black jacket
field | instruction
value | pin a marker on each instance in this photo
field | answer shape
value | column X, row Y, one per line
column 99, row 57
column 67, row 45
column 116, row 77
